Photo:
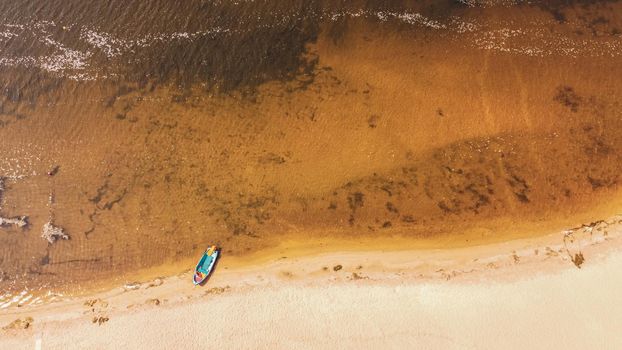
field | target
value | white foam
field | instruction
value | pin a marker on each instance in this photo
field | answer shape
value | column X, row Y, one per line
column 7, row 34
column 416, row 18
column 109, row 45
column 531, row 38
column 17, row 299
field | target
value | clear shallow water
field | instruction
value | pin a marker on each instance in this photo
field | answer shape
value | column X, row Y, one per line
column 243, row 124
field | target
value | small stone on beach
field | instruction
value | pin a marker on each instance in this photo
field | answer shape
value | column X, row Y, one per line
column 153, row 301
column 217, row 290
column 19, row 324
column 131, row 286
column 100, row 320
column 578, row 259
column 155, row 283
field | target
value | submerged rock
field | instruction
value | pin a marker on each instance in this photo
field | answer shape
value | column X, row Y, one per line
column 19, row 221
column 54, row 170
column 52, row 233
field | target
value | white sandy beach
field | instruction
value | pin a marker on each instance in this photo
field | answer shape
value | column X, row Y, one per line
column 564, row 310
column 451, row 299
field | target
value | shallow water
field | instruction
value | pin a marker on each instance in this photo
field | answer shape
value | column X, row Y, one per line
column 242, row 124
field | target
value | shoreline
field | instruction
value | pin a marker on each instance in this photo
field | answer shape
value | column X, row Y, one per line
column 488, row 233
column 509, row 262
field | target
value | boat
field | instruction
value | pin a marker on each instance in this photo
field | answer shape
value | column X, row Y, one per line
column 205, row 265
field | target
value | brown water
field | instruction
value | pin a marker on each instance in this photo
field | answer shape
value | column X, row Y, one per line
column 244, row 124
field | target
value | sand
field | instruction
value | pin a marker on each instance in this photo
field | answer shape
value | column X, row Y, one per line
column 530, row 293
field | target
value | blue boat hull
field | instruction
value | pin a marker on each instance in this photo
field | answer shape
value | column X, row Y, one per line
column 205, row 266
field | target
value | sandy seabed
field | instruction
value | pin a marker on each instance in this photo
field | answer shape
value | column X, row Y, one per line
column 531, row 293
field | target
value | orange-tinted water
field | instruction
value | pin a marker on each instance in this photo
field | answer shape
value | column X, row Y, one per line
column 434, row 121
